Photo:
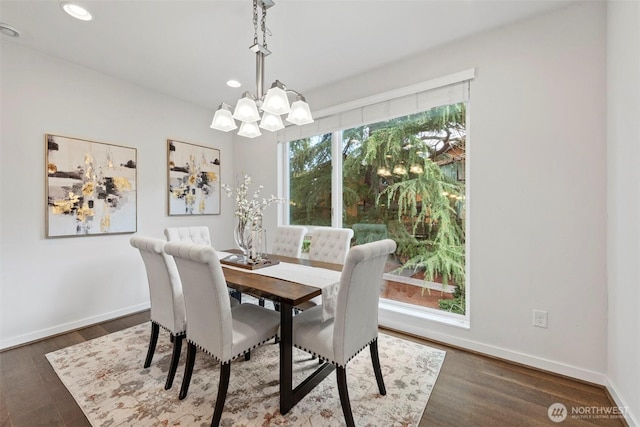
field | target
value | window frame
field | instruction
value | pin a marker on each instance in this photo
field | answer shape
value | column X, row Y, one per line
column 391, row 312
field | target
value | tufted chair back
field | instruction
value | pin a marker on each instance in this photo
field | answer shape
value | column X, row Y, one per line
column 197, row 234
column 356, row 318
column 206, row 298
column 288, row 240
column 330, row 244
column 165, row 287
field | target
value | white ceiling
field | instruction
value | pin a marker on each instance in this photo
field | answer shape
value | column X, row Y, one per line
column 189, row 49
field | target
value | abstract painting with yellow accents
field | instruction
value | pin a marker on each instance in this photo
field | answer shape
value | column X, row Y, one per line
column 194, row 179
column 91, row 187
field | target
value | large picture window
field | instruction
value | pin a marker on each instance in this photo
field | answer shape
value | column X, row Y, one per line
column 402, row 178
column 310, row 180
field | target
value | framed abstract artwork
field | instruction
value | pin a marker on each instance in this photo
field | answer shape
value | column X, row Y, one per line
column 194, row 179
column 90, row 187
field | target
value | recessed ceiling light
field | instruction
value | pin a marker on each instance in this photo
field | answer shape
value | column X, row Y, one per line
column 8, row 30
column 233, row 83
column 76, row 11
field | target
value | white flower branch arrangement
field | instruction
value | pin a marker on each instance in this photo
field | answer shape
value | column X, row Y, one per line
column 249, row 212
column 248, row 209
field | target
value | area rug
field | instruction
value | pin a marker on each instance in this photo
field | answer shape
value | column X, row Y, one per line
column 107, row 379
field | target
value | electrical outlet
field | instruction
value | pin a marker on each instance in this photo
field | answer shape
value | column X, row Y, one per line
column 540, row 318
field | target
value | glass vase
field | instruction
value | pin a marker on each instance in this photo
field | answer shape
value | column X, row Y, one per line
column 257, row 236
column 242, row 236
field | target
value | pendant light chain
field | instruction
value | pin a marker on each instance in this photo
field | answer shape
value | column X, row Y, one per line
column 255, row 22
column 273, row 104
column 264, row 27
column 263, row 24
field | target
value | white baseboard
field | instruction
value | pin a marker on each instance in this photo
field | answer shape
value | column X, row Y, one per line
column 70, row 326
column 490, row 350
column 398, row 317
column 629, row 416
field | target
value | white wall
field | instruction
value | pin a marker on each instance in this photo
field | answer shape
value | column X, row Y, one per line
column 537, row 185
column 257, row 157
column 623, row 228
column 52, row 285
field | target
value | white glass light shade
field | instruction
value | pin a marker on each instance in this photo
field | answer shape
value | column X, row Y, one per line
column 416, row 168
column 276, row 101
column 246, row 110
column 271, row 122
column 384, row 171
column 223, row 120
column 300, row 113
column 399, row 169
column 249, row 130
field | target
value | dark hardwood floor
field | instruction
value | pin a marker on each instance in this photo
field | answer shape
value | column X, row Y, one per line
column 472, row 390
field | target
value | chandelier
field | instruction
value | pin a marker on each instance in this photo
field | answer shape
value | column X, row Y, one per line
column 268, row 108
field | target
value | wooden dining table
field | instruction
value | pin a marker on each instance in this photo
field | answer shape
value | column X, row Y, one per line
column 287, row 294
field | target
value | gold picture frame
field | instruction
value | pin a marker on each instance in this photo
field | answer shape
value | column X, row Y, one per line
column 91, row 187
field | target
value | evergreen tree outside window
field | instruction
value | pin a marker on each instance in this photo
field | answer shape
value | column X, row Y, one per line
column 310, row 181
column 403, row 179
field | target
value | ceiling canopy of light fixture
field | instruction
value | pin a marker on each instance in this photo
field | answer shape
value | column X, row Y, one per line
column 260, row 107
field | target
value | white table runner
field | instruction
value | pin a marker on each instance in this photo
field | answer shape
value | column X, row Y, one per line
column 327, row 280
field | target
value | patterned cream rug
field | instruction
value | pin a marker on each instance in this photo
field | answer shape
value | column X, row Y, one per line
column 106, row 378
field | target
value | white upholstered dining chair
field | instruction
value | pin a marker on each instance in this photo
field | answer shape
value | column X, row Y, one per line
column 328, row 244
column 217, row 328
column 355, row 325
column 288, row 240
column 198, row 234
column 167, row 301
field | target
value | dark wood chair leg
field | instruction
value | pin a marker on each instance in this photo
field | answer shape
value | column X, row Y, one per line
column 237, row 295
column 188, row 370
column 155, row 329
column 225, row 373
column 373, row 347
column 171, row 338
column 261, row 302
column 247, row 356
column 175, row 357
column 341, row 376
